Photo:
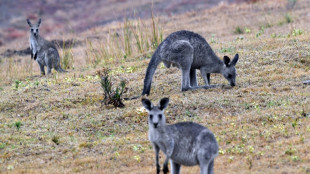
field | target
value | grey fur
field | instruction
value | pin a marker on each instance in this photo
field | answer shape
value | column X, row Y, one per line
column 184, row 143
column 189, row 51
column 43, row 51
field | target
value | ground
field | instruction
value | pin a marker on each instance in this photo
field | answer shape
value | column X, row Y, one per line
column 57, row 124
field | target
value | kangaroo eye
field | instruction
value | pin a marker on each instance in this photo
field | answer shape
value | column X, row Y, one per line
column 229, row 76
column 151, row 117
column 37, row 30
column 160, row 116
column 31, row 29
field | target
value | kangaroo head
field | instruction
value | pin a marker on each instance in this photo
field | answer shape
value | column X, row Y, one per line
column 156, row 113
column 34, row 29
column 229, row 71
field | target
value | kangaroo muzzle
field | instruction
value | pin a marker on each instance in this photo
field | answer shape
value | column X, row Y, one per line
column 155, row 125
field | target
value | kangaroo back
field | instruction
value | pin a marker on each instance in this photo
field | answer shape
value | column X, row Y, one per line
column 190, row 139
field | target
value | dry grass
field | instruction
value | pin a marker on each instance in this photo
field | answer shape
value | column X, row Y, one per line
column 261, row 124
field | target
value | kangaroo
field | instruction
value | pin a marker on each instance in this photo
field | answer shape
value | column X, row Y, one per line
column 43, row 51
column 184, row 143
column 189, row 51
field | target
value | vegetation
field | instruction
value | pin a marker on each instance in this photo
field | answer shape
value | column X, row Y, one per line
column 111, row 96
column 262, row 124
column 238, row 30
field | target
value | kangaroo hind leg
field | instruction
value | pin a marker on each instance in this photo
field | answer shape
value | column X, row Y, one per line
column 208, row 77
column 193, row 78
column 182, row 53
column 210, row 168
column 175, row 167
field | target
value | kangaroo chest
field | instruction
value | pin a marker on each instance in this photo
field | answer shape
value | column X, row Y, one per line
column 159, row 139
column 34, row 45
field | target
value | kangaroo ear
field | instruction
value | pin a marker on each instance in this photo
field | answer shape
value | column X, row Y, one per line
column 235, row 60
column 163, row 103
column 147, row 104
column 39, row 22
column 29, row 23
column 226, row 60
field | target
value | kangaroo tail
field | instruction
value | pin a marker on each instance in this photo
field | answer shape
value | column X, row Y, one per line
column 132, row 98
column 59, row 69
column 155, row 60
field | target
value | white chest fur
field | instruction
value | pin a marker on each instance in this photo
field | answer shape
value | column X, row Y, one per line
column 34, row 45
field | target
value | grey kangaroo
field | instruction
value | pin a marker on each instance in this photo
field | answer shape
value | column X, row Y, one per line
column 43, row 51
column 184, row 143
column 189, row 51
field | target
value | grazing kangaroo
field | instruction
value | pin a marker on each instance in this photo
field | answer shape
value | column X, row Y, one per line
column 189, row 51
column 184, row 143
column 43, row 51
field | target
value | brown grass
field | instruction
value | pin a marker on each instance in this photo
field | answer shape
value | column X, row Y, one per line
column 260, row 124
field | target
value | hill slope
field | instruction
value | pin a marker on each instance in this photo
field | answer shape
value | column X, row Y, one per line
column 57, row 124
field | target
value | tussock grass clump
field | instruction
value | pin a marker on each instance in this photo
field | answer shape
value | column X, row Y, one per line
column 18, row 124
column 133, row 38
column 55, row 139
column 287, row 19
column 111, row 96
column 238, row 30
column 67, row 55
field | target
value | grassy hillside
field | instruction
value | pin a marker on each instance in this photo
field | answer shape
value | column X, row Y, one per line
column 78, row 15
column 57, row 124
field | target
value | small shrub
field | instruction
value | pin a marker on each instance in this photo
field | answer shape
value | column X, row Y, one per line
column 55, row 139
column 137, row 158
column 238, row 30
column 247, row 30
column 17, row 125
column 290, row 151
column 268, row 25
column 2, row 146
column 36, row 83
column 260, row 32
column 130, row 69
column 111, row 96
column 17, row 84
column 288, row 18
column 295, row 158
column 297, row 32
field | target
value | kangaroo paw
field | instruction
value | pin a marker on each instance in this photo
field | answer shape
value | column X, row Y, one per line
column 186, row 88
column 158, row 169
column 165, row 170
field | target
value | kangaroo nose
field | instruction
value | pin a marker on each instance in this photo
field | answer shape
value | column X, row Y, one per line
column 155, row 125
column 232, row 84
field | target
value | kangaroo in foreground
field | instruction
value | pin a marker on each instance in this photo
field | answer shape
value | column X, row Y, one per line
column 43, row 51
column 189, row 51
column 184, row 143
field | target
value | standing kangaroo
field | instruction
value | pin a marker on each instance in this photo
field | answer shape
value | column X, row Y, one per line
column 189, row 51
column 184, row 143
column 43, row 51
